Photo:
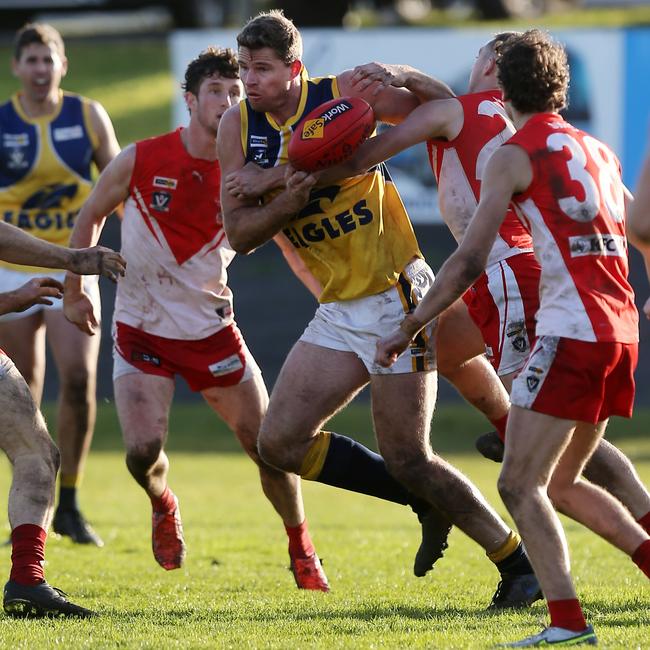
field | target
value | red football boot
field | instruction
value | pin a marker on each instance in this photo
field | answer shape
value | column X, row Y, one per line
column 167, row 537
column 308, row 573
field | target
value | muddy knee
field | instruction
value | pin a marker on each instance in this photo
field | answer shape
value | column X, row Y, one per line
column 142, row 457
column 512, row 490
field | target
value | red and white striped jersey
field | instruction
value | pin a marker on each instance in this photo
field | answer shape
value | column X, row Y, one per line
column 575, row 210
column 459, row 164
column 174, row 244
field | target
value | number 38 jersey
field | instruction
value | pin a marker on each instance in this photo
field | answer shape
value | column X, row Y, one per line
column 575, row 210
column 458, row 166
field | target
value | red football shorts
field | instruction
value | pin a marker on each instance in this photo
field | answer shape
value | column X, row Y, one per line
column 576, row 380
column 503, row 303
column 218, row 360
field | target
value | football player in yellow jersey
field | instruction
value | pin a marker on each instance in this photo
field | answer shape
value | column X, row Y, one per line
column 334, row 358
column 48, row 142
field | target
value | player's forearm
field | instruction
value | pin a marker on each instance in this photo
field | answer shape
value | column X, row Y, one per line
column 87, row 229
column 18, row 247
column 352, row 167
column 8, row 302
column 86, row 232
column 249, row 227
column 270, row 179
column 426, row 88
column 454, row 278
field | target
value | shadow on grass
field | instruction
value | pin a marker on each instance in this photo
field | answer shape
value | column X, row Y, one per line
column 361, row 613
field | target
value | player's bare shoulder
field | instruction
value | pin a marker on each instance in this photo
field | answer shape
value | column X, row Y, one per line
column 510, row 165
column 124, row 162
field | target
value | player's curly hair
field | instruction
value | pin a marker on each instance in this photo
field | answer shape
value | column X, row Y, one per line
column 211, row 61
column 274, row 30
column 533, row 72
column 40, row 33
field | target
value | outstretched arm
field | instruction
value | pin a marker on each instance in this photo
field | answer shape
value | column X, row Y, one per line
column 381, row 75
column 390, row 104
column 247, row 223
column 435, row 119
column 507, row 172
column 18, row 247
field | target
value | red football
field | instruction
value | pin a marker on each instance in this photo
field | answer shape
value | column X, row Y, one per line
column 330, row 133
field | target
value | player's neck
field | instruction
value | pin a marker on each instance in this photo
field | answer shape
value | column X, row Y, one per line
column 520, row 119
column 198, row 142
column 34, row 108
column 289, row 104
column 484, row 84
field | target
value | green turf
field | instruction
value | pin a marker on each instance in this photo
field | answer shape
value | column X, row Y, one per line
column 235, row 591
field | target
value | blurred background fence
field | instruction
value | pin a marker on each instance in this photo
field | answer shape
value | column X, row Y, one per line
column 131, row 56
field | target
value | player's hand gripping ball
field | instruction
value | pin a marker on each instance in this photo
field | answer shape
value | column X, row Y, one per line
column 331, row 133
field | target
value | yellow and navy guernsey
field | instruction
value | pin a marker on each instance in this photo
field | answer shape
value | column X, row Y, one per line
column 355, row 237
column 45, row 168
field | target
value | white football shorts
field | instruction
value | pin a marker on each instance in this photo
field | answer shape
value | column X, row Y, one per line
column 357, row 325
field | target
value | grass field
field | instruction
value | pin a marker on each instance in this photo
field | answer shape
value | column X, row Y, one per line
column 235, row 590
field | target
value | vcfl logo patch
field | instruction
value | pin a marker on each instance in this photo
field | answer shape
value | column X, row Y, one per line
column 160, row 201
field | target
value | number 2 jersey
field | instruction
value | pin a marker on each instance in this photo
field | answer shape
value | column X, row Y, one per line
column 355, row 237
column 575, row 210
column 174, row 244
column 458, row 166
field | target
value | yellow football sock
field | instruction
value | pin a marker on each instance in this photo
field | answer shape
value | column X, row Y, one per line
column 314, row 460
column 507, row 548
column 70, row 480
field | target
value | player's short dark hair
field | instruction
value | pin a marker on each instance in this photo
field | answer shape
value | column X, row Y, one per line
column 533, row 71
column 498, row 40
column 274, row 30
column 40, row 33
column 211, row 61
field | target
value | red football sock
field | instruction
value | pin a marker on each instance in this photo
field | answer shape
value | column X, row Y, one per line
column 644, row 522
column 567, row 614
column 500, row 426
column 300, row 544
column 641, row 557
column 27, row 554
column 165, row 502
